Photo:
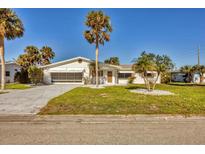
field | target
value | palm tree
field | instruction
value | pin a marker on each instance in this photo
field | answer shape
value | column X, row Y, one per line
column 99, row 31
column 188, row 70
column 46, row 55
column 113, row 61
column 11, row 27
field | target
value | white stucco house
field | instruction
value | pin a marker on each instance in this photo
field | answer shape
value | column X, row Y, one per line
column 78, row 70
column 11, row 69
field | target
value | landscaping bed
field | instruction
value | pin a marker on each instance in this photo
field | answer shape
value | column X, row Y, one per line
column 119, row 100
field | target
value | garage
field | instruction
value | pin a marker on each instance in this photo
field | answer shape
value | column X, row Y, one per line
column 73, row 77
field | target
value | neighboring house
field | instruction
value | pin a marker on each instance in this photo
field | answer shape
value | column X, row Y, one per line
column 79, row 70
column 11, row 69
column 178, row 76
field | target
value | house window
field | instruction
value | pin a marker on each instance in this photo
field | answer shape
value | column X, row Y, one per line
column 7, row 73
column 124, row 75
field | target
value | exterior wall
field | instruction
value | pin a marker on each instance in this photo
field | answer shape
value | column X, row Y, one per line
column 196, row 78
column 12, row 68
column 104, row 79
column 74, row 66
column 83, row 66
column 138, row 79
column 47, row 76
column 122, row 81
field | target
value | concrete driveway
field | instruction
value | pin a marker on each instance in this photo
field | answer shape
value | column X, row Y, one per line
column 30, row 101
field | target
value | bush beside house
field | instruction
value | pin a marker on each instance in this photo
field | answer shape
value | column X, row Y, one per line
column 35, row 74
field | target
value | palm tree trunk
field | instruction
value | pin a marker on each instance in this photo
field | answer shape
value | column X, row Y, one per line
column 2, row 62
column 96, row 64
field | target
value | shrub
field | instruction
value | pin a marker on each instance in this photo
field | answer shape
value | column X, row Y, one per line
column 35, row 74
column 86, row 80
column 22, row 76
column 165, row 77
column 131, row 79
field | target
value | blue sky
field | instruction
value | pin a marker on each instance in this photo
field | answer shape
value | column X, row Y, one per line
column 175, row 32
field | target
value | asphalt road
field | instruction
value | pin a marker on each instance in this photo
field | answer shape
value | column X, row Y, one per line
column 101, row 130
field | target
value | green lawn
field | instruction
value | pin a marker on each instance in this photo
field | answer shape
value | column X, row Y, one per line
column 2, row 92
column 17, row 86
column 119, row 100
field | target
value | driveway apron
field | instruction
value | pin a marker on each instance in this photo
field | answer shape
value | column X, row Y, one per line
column 30, row 101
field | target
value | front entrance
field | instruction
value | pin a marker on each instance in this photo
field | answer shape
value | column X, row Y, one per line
column 109, row 76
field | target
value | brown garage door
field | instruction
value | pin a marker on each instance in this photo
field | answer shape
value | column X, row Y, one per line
column 66, row 77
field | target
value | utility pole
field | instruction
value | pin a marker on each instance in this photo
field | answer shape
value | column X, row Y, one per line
column 199, row 55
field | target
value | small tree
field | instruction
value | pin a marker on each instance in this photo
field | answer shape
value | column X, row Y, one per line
column 151, row 62
column 35, row 74
column 143, row 64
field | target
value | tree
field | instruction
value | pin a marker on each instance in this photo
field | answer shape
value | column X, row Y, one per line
column 188, row 70
column 99, row 31
column 151, row 62
column 163, row 64
column 35, row 74
column 143, row 64
column 33, row 56
column 112, row 61
column 46, row 55
column 11, row 27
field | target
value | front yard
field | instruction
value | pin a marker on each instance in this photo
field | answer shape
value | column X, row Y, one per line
column 119, row 100
column 17, row 86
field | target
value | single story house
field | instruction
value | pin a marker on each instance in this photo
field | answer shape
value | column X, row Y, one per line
column 11, row 69
column 79, row 70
